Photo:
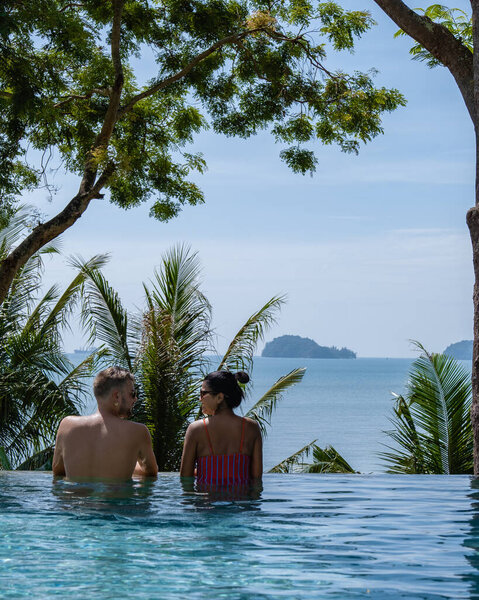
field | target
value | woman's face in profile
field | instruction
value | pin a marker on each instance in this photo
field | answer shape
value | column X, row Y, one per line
column 209, row 400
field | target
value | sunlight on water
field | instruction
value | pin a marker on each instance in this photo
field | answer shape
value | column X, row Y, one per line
column 303, row 536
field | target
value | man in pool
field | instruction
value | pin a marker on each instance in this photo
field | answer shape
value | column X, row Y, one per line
column 106, row 445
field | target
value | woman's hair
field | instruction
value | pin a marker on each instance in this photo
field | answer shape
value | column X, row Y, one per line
column 227, row 383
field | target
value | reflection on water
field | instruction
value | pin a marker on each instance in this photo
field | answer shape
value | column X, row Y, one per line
column 204, row 496
column 471, row 540
column 300, row 537
column 125, row 497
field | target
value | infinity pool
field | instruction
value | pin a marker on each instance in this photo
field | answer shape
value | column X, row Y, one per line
column 303, row 536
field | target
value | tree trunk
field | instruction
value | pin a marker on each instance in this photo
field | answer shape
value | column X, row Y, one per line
column 473, row 224
column 449, row 50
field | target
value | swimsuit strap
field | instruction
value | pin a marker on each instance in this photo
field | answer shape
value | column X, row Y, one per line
column 208, row 436
column 242, row 435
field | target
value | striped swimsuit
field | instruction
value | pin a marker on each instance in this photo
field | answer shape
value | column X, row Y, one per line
column 223, row 469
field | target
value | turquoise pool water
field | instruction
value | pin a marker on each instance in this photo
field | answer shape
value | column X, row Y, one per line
column 303, row 536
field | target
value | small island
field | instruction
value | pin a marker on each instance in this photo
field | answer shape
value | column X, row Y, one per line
column 295, row 346
column 460, row 350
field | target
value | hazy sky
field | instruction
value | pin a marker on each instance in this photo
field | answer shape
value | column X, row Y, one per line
column 372, row 251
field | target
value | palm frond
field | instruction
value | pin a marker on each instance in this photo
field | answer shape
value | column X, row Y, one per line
column 294, row 463
column 12, row 233
column 263, row 409
column 434, row 434
column 104, row 316
column 77, row 379
column 328, row 460
column 60, row 314
column 171, row 357
column 239, row 355
column 40, row 461
column 5, row 464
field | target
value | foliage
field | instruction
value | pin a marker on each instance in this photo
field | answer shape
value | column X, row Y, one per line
column 38, row 384
column 327, row 460
column 167, row 348
column 432, row 429
column 176, row 335
column 457, row 21
column 263, row 409
column 69, row 94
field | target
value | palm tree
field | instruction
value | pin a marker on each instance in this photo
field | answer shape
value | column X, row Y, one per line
column 167, row 348
column 38, row 384
column 432, row 428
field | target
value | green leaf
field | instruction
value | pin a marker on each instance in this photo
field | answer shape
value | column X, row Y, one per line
column 239, row 355
column 432, row 428
column 262, row 411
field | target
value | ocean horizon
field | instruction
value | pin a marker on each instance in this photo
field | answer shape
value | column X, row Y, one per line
column 344, row 403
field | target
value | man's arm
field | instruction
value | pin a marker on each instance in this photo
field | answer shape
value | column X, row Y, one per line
column 146, row 465
column 58, row 466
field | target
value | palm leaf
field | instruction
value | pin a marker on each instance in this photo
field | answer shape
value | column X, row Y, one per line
column 40, row 461
column 328, row 461
column 295, row 462
column 171, row 358
column 5, row 464
column 324, row 461
column 104, row 316
column 77, row 379
column 435, row 434
column 263, row 409
column 239, row 355
column 60, row 314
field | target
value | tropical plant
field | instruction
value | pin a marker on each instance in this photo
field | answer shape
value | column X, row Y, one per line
column 327, row 460
column 445, row 37
column 169, row 348
column 38, row 384
column 432, row 428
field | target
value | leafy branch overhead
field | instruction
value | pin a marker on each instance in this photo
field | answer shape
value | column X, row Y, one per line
column 69, row 90
column 455, row 20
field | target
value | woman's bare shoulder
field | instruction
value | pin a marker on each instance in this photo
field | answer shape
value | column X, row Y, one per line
column 194, row 427
column 253, row 425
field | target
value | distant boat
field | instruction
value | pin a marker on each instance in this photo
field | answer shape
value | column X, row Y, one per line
column 85, row 350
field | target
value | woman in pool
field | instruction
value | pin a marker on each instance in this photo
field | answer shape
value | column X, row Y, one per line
column 225, row 449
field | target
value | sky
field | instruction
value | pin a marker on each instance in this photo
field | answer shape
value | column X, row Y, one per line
column 372, row 251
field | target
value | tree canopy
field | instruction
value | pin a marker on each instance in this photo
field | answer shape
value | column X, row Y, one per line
column 69, row 95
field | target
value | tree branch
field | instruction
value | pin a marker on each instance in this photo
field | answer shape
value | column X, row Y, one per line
column 231, row 39
column 101, row 91
column 89, row 189
column 46, row 232
column 71, row 5
column 111, row 116
column 440, row 42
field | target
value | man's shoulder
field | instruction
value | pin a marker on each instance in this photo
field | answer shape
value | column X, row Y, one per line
column 72, row 421
column 135, row 427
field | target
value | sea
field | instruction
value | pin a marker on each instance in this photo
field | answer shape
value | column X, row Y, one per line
column 344, row 403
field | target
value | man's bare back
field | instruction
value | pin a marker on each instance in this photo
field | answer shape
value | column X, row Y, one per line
column 105, row 445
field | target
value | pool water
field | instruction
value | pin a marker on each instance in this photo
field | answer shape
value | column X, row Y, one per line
column 302, row 536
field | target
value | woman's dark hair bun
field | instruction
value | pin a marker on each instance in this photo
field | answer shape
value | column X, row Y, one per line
column 242, row 377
